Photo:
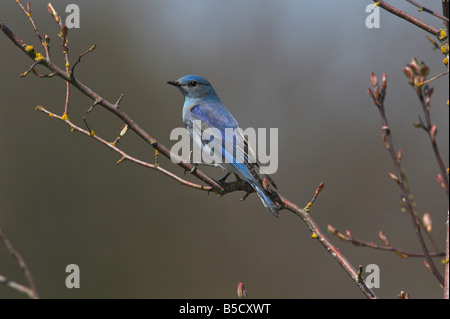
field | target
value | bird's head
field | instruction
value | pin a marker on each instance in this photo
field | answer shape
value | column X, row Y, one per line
column 195, row 88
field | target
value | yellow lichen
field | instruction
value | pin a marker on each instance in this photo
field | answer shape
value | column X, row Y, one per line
column 38, row 57
column 307, row 207
column 29, row 48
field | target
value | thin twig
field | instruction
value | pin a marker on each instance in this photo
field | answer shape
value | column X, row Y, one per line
column 433, row 78
column 28, row 14
column 31, row 291
column 424, row 9
column 446, row 281
column 125, row 156
column 72, row 70
column 357, row 242
column 407, row 17
column 425, row 103
column 378, row 99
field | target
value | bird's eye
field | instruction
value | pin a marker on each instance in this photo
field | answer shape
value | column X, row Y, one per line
column 193, row 83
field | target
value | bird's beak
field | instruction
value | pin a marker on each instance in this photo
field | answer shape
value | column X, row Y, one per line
column 174, row 83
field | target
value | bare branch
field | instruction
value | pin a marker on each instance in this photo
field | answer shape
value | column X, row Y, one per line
column 89, row 132
column 424, row 9
column 31, row 291
column 446, row 284
column 416, row 74
column 217, row 187
column 378, row 99
column 347, row 237
column 407, row 17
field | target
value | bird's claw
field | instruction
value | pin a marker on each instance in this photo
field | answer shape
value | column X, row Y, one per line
column 222, row 180
column 192, row 170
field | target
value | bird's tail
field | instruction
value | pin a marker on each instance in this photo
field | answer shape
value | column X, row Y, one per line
column 267, row 202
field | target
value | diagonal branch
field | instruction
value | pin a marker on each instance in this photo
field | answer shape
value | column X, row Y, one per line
column 217, row 187
column 109, row 106
column 425, row 9
column 407, row 17
column 124, row 155
column 30, row 291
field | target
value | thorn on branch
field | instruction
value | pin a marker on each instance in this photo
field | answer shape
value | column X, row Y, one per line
column 91, row 132
column 97, row 101
column 118, row 100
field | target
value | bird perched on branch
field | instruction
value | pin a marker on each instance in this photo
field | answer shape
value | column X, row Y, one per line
column 203, row 110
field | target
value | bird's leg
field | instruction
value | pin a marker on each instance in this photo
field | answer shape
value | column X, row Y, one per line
column 222, row 180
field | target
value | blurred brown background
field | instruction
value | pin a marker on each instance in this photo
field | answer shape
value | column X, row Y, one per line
column 300, row 66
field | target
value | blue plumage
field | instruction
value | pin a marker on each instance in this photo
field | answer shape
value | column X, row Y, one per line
column 201, row 103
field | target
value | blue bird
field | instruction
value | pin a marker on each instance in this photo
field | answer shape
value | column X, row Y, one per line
column 202, row 103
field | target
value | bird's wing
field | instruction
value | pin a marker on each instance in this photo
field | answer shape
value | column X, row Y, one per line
column 215, row 115
column 257, row 162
